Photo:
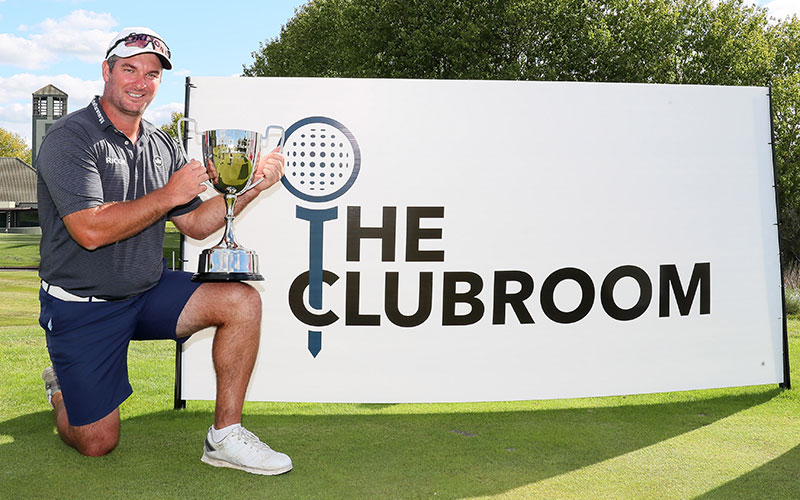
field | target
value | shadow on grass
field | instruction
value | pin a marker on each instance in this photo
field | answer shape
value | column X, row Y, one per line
column 780, row 474
column 447, row 455
column 21, row 245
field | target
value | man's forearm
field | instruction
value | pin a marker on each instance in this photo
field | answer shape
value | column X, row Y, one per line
column 115, row 221
column 99, row 226
column 209, row 217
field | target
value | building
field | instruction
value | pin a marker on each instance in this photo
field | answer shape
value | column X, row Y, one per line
column 49, row 104
column 18, row 207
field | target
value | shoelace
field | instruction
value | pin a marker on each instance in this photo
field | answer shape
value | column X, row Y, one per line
column 251, row 439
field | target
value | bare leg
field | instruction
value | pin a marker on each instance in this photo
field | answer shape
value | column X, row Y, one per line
column 95, row 439
column 235, row 309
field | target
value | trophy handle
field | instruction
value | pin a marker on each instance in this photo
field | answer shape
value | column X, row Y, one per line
column 266, row 139
column 283, row 136
column 180, row 133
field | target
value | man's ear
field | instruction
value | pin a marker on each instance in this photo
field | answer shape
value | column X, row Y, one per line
column 106, row 71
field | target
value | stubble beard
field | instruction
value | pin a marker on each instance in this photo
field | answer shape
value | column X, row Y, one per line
column 117, row 100
column 137, row 111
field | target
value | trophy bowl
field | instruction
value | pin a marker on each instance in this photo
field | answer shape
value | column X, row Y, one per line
column 230, row 157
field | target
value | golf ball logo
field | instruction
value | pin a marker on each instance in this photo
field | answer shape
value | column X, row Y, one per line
column 322, row 159
column 322, row 162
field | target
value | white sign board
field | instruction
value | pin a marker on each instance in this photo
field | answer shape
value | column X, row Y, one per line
column 481, row 240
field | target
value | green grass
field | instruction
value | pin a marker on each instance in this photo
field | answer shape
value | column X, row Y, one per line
column 20, row 299
column 738, row 443
column 22, row 250
column 172, row 246
column 19, row 250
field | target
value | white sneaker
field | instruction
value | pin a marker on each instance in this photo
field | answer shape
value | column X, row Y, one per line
column 242, row 450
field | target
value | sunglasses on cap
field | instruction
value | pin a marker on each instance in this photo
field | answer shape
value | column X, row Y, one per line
column 141, row 40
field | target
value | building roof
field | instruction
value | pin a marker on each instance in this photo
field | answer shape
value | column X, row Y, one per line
column 50, row 90
column 17, row 181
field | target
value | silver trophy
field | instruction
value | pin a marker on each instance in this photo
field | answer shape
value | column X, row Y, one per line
column 230, row 157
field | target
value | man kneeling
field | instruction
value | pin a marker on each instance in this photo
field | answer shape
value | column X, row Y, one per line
column 107, row 183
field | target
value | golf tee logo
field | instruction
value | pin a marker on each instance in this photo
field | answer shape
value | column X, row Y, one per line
column 322, row 163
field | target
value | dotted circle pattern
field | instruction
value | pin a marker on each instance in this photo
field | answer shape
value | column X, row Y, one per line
column 322, row 159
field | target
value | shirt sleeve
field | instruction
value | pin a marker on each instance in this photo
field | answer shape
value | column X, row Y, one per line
column 68, row 166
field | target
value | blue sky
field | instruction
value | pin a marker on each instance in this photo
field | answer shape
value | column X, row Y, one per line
column 62, row 42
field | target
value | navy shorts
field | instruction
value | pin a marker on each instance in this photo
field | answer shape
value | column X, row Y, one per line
column 88, row 342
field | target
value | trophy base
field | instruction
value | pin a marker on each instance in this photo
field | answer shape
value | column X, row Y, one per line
column 217, row 277
column 227, row 264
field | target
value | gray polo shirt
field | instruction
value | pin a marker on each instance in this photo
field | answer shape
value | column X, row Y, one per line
column 84, row 162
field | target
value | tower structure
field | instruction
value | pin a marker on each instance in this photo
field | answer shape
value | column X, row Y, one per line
column 49, row 104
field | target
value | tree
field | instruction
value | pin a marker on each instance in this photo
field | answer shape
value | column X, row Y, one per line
column 639, row 41
column 665, row 41
column 785, row 86
column 172, row 127
column 14, row 146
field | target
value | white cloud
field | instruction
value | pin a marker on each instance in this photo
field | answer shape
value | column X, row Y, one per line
column 21, row 86
column 16, row 97
column 783, row 8
column 81, row 34
column 16, row 112
column 23, row 53
column 163, row 114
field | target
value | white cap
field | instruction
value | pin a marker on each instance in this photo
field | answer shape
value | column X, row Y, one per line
column 139, row 40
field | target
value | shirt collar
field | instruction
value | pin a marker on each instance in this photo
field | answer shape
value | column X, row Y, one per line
column 102, row 119
column 146, row 128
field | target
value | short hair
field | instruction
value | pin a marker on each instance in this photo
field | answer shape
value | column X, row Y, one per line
column 112, row 61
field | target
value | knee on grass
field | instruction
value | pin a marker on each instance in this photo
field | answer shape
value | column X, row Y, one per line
column 97, row 447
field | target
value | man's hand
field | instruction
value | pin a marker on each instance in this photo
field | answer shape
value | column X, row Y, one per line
column 270, row 167
column 95, row 227
column 186, row 183
column 208, row 217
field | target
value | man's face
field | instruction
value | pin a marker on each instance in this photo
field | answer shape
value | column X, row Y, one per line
column 132, row 84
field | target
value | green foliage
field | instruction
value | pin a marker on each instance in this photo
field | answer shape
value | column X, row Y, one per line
column 649, row 41
column 791, row 285
column 172, row 127
column 793, row 301
column 390, row 39
column 14, row 146
column 786, row 115
column 665, row 41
